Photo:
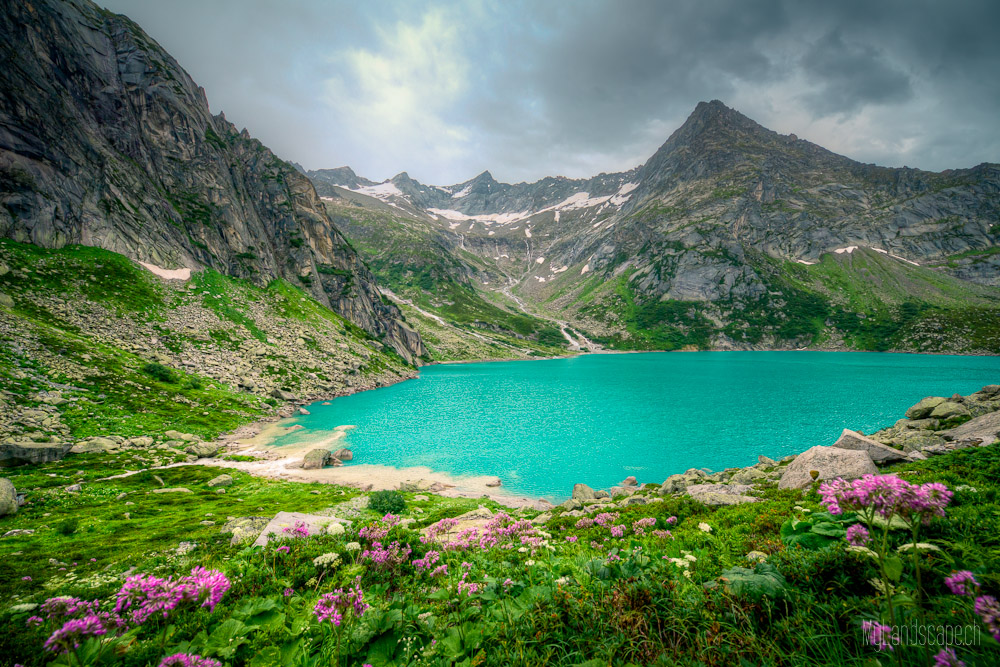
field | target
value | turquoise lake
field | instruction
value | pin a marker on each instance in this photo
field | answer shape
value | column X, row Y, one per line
column 542, row 426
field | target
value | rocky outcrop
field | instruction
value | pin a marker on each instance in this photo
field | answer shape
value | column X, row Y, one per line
column 316, row 458
column 878, row 452
column 33, row 452
column 105, row 140
column 721, row 494
column 829, row 463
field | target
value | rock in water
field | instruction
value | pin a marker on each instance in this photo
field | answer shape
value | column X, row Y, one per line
column 316, row 458
column 878, row 452
column 8, row 497
column 830, row 462
column 343, row 454
column 583, row 492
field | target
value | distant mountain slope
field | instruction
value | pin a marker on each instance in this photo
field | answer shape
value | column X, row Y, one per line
column 722, row 240
column 106, row 141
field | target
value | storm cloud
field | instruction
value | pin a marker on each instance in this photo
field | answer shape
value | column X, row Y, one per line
column 445, row 90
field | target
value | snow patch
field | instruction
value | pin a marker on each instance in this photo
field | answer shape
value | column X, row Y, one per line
column 586, row 267
column 168, row 274
column 557, row 216
column 500, row 218
column 464, row 192
column 527, row 232
column 802, row 261
column 540, row 260
column 381, row 191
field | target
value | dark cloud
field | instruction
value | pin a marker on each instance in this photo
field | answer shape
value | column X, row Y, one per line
column 532, row 88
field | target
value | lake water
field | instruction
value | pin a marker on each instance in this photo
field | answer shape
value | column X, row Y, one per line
column 542, row 426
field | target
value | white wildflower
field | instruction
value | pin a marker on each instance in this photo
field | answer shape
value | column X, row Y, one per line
column 704, row 527
column 352, row 546
column 327, row 561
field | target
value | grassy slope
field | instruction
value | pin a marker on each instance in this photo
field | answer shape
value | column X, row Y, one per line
column 566, row 607
column 408, row 258
column 864, row 300
column 100, row 371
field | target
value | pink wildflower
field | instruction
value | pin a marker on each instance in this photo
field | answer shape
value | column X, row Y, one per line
column 946, row 657
column 857, row 535
column 989, row 611
column 188, row 660
column 878, row 635
column 332, row 606
column 962, row 583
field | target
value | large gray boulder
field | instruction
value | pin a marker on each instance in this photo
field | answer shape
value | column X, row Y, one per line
column 8, row 497
column 282, row 526
column 748, row 476
column 343, row 454
column 949, row 409
column 34, row 452
column 878, row 452
column 985, row 428
column 721, row 494
column 830, row 463
column 924, row 407
column 583, row 492
column 672, row 484
column 203, row 450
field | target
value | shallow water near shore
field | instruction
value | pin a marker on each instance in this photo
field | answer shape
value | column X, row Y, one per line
column 542, row 426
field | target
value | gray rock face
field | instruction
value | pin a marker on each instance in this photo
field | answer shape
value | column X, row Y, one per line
column 281, row 527
column 948, row 409
column 343, row 454
column 721, row 494
column 747, row 476
column 583, row 492
column 33, row 452
column 8, row 497
column 985, row 427
column 129, row 158
column 830, row 462
column 923, row 409
column 878, row 452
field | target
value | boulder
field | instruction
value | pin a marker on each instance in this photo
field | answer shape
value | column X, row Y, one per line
column 142, row 441
column 601, row 494
column 830, row 463
column 572, row 504
column 764, row 460
column 878, row 452
column 630, row 481
column 244, row 528
column 343, row 454
column 986, row 427
column 721, row 494
column 303, row 411
column 673, row 484
column 6, row 301
column 316, row 458
column 748, row 476
column 203, row 450
column 34, row 452
column 583, row 492
column 8, row 497
column 949, row 409
column 221, row 480
column 924, row 408
column 283, row 395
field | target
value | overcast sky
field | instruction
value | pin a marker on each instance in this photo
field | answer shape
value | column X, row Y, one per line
column 536, row 88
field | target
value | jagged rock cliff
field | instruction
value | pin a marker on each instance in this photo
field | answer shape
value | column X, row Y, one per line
column 106, row 141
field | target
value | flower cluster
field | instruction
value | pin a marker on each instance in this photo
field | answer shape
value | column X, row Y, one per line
column 333, row 606
column 605, row 518
column 989, row 611
column 946, row 658
column 436, row 530
column 585, row 522
column 68, row 637
column 387, row 557
column 63, row 607
column 326, row 561
column 300, row 529
column 428, row 561
column 502, row 531
column 663, row 534
column 857, row 535
column 962, row 583
column 617, row 530
column 886, row 495
column 379, row 530
column 639, row 527
column 878, row 635
column 468, row 587
column 188, row 660
column 145, row 595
